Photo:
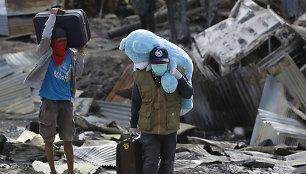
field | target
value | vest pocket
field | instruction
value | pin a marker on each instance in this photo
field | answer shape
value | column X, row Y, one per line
column 145, row 92
column 144, row 121
column 173, row 119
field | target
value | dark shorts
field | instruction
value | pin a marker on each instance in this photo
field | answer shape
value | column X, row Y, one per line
column 56, row 113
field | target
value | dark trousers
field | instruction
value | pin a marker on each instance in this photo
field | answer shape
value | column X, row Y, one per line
column 155, row 148
column 147, row 21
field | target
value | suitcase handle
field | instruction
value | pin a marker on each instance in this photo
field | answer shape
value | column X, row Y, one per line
column 60, row 11
column 136, row 137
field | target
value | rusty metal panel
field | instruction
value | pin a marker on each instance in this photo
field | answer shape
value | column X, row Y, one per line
column 20, row 25
column 17, row 7
column 16, row 16
column 125, row 82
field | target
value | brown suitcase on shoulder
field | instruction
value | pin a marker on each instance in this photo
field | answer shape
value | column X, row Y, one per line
column 129, row 157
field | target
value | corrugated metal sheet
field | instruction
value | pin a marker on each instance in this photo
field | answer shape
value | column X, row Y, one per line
column 185, row 156
column 30, row 116
column 3, row 7
column 186, row 164
column 279, row 165
column 292, row 9
column 3, row 19
column 20, row 59
column 274, row 104
column 4, row 69
column 291, row 77
column 115, row 110
column 104, row 155
column 274, row 97
column 14, row 96
column 229, row 101
column 279, row 129
column 125, row 82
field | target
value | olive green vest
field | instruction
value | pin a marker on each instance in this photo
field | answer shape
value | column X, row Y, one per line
column 159, row 111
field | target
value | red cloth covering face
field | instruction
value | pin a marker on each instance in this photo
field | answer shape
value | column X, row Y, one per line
column 59, row 53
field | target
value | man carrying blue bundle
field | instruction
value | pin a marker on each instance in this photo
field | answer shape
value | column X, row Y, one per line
column 55, row 75
column 157, row 113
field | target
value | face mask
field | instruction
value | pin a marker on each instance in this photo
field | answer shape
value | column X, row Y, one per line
column 59, row 53
column 141, row 65
column 159, row 69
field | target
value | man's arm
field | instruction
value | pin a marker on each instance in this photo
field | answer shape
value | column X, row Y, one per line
column 136, row 100
column 79, row 62
column 184, row 87
column 45, row 41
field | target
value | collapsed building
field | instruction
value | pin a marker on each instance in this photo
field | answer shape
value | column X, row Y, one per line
column 239, row 59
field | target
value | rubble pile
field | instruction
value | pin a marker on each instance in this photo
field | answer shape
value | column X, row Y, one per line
column 249, row 102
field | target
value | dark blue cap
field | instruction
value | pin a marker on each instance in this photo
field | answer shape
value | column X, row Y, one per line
column 159, row 54
column 58, row 32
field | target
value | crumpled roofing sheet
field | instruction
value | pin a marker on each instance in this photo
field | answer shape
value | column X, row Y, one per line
column 15, row 97
column 278, row 128
column 104, row 155
column 275, row 103
column 20, row 59
column 4, row 69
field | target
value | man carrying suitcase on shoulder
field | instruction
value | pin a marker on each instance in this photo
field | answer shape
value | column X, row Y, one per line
column 157, row 112
column 55, row 75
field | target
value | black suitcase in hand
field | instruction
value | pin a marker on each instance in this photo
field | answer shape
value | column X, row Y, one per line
column 129, row 157
column 74, row 22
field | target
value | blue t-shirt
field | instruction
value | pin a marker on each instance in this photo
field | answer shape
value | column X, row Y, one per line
column 56, row 85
